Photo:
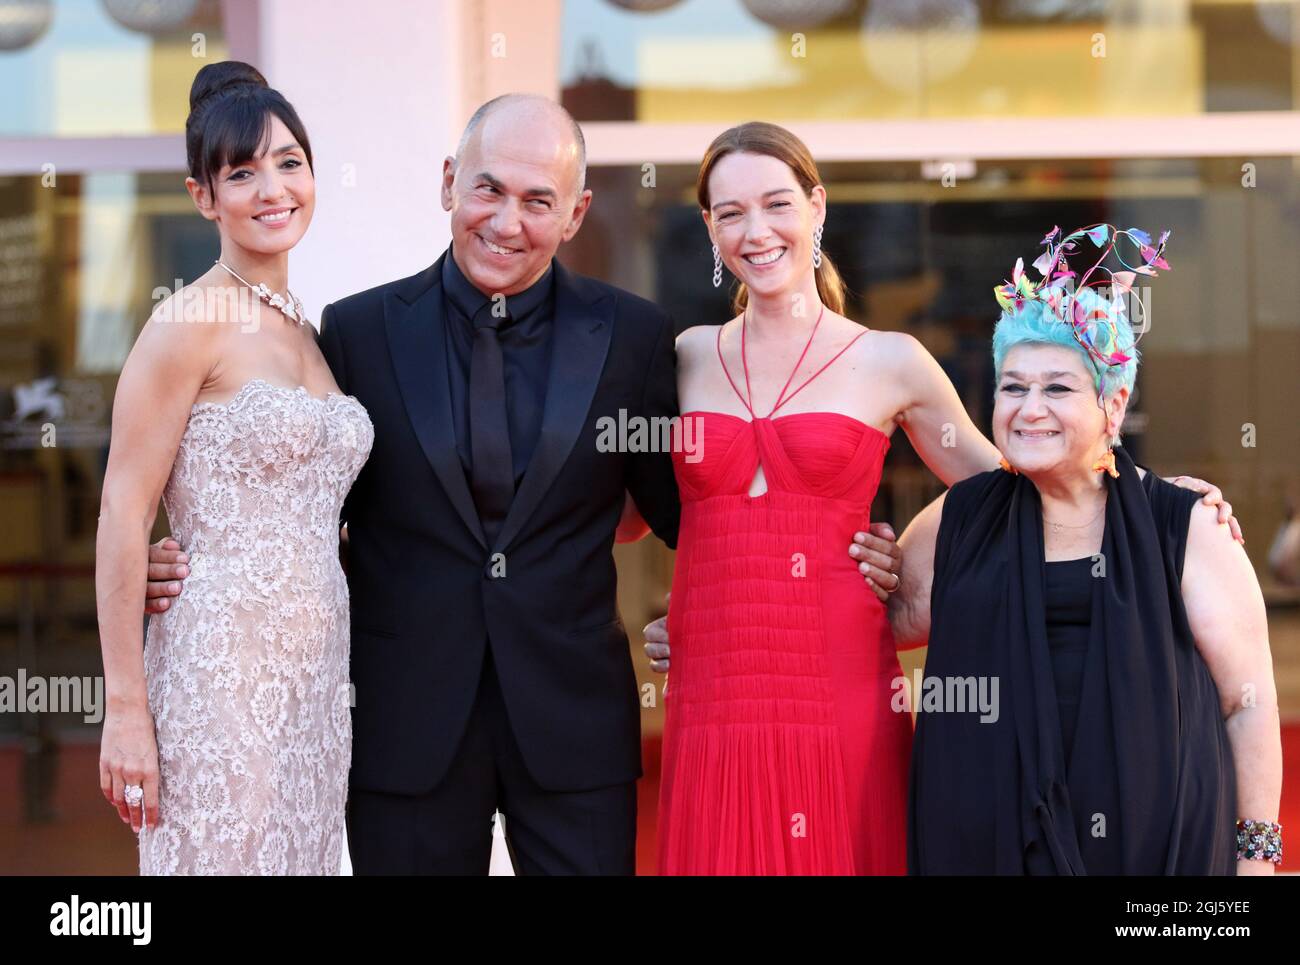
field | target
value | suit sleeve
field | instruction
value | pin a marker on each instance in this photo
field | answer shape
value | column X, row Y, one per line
column 649, row 475
column 331, row 346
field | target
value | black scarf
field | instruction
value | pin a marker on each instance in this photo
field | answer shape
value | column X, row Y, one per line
column 1149, row 786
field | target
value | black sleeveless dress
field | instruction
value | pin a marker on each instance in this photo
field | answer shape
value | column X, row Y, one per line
column 1108, row 753
column 1068, row 601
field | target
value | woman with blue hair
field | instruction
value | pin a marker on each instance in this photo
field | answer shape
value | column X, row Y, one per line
column 1118, row 627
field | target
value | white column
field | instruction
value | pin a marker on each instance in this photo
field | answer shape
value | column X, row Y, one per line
column 378, row 88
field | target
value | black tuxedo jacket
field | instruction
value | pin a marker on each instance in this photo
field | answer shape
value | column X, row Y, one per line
column 427, row 592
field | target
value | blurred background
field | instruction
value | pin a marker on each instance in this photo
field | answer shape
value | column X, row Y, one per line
column 951, row 135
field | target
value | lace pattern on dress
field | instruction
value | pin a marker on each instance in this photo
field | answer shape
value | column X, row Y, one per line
column 248, row 670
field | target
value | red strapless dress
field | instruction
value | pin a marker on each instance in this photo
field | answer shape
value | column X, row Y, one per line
column 782, row 753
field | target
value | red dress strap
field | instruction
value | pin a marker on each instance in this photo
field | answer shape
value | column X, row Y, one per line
column 723, row 363
column 820, row 370
column 802, row 355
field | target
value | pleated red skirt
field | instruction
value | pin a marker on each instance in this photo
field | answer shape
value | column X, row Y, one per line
column 787, row 736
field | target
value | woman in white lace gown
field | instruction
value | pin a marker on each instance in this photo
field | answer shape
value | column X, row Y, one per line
column 248, row 672
column 227, row 735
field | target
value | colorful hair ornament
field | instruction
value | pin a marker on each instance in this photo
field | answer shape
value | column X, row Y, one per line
column 1093, row 325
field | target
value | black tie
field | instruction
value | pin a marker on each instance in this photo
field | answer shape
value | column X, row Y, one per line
column 492, row 471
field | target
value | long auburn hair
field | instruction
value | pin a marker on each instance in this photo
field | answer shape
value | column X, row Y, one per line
column 772, row 140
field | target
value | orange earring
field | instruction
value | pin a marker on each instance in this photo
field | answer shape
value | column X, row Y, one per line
column 1106, row 463
column 1008, row 467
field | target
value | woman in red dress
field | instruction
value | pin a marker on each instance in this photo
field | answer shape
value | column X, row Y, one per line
column 787, row 738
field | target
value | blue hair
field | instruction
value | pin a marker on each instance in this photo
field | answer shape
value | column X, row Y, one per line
column 1036, row 324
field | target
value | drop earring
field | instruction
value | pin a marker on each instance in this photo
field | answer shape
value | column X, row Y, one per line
column 1106, row 461
column 717, row 268
column 817, row 247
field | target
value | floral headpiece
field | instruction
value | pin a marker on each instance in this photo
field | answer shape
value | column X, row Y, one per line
column 1095, row 328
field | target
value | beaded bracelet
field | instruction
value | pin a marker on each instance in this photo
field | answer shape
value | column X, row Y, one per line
column 1261, row 840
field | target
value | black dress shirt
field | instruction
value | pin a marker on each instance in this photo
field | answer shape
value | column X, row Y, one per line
column 525, row 355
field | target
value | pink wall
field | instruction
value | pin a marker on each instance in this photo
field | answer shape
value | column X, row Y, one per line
column 380, row 127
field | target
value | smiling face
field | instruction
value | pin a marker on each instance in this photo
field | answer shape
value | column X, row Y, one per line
column 514, row 195
column 1046, row 419
column 763, row 222
column 263, row 205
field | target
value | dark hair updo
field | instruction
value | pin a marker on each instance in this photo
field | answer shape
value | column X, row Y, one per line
column 230, row 118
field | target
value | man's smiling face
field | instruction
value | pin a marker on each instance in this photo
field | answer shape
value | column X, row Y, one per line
column 514, row 195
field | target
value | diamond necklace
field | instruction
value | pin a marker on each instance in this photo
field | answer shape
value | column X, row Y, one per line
column 293, row 311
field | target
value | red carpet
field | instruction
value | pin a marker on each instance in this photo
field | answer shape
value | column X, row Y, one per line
column 1289, row 813
column 648, row 800
column 647, row 807
column 84, row 835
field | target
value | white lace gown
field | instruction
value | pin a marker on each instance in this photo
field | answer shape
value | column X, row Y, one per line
column 248, row 670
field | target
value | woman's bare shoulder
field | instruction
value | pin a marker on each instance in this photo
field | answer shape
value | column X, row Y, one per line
column 187, row 320
column 696, row 341
column 894, row 345
column 888, row 356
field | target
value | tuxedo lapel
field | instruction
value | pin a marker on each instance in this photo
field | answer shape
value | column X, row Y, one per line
column 581, row 335
column 414, row 318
